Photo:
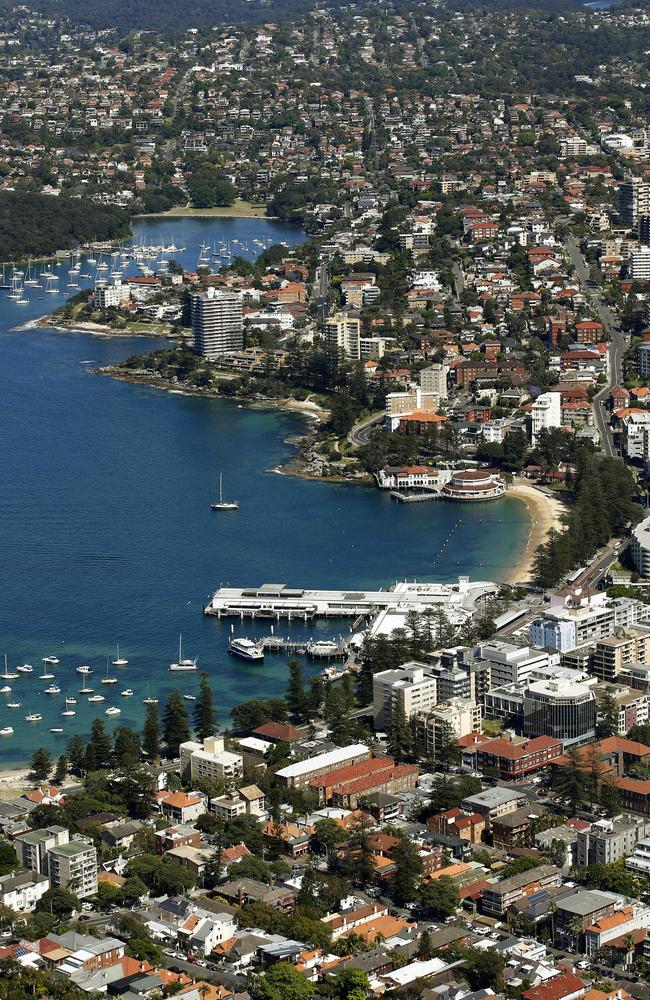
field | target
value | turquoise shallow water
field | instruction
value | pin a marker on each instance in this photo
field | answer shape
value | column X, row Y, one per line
column 106, row 532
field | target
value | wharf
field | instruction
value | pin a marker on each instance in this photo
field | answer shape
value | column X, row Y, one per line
column 403, row 496
column 314, row 648
column 276, row 601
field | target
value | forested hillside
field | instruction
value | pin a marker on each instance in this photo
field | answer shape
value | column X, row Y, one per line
column 32, row 225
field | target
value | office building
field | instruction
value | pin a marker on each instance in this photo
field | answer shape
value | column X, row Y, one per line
column 459, row 716
column 577, row 626
column 74, row 864
column 434, row 379
column 610, row 840
column 411, row 687
column 217, row 322
column 561, row 709
column 510, row 664
column 210, row 759
column 545, row 413
column 633, row 200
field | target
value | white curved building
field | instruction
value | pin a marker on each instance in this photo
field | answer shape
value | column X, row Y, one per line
column 473, row 485
column 640, row 547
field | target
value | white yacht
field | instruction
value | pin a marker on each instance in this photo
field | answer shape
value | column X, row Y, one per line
column 71, row 701
column 96, row 698
column 222, row 504
column 246, row 648
column 84, row 670
column 119, row 661
column 34, row 717
column 107, row 679
column 149, row 700
column 113, row 711
column 182, row 663
column 189, row 697
column 6, row 731
column 68, row 712
column 13, row 704
column 5, row 690
column 52, row 689
column 127, row 693
column 56, row 729
column 25, row 668
column 86, row 690
column 7, row 676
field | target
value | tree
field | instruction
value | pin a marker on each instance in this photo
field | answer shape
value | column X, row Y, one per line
column 205, row 717
column 151, row 733
column 61, row 770
column 440, row 895
column 8, row 858
column 426, row 949
column 145, row 950
column 59, row 902
column 296, row 697
column 607, row 724
column 400, row 739
column 351, row 984
column 100, row 742
column 176, row 726
column 128, row 749
column 408, row 871
column 41, row 764
column 283, row 982
column 445, row 751
column 109, row 896
column 328, row 836
column 133, row 890
column 570, row 782
column 76, row 753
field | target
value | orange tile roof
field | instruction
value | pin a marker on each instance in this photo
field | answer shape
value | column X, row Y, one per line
column 385, row 926
column 179, row 800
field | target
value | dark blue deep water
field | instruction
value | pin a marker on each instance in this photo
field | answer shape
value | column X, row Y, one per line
column 106, row 532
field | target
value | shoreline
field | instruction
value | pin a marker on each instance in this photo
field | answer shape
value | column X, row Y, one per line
column 51, row 322
column 545, row 513
column 240, row 209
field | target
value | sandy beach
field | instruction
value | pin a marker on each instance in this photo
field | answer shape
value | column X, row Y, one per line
column 14, row 781
column 546, row 512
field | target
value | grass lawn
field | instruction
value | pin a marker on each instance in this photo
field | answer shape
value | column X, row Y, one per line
column 238, row 210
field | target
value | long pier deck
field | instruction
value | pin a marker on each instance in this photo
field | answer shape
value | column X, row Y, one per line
column 276, row 601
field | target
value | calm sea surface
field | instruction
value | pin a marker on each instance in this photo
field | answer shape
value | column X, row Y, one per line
column 106, row 532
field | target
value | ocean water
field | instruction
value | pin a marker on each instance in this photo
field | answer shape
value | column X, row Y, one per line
column 106, row 531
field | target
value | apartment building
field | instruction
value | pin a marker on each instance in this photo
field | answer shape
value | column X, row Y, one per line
column 615, row 652
column 514, row 761
column 499, row 897
column 412, row 687
column 404, row 404
column 640, row 547
column 32, row 848
column 610, row 839
column 217, row 322
column 545, row 413
column 633, row 200
column 74, row 864
column 343, row 333
column 577, row 626
column 510, row 664
column 300, row 774
column 434, row 379
column 210, row 759
column 459, row 716
column 633, row 917
column 22, row 890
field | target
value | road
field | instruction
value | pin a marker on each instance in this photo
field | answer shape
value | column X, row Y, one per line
column 360, row 433
column 322, row 292
column 616, row 348
column 235, row 983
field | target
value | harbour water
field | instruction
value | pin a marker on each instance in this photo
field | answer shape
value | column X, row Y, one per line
column 107, row 535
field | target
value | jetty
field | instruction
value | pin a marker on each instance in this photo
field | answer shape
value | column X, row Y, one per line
column 331, row 649
column 277, row 601
column 416, row 496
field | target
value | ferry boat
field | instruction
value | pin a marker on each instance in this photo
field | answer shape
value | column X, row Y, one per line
column 34, row 717
column 246, row 648
column 182, row 664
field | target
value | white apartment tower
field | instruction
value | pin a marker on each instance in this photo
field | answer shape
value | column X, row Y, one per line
column 546, row 412
column 217, row 322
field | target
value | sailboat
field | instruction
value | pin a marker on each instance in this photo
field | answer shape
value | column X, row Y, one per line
column 119, row 661
column 6, row 676
column 46, row 675
column 182, row 664
column 149, row 700
column 107, row 679
column 224, row 504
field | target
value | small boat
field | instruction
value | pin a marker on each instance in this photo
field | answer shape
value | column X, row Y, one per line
column 246, row 648
column 222, row 504
column 6, row 731
column 182, row 664
column 46, row 674
column 25, row 668
column 127, row 693
column 56, row 729
column 119, row 661
column 52, row 689
column 84, row 670
column 96, row 698
column 5, row 690
column 113, row 711
column 51, row 661
column 86, row 690
column 68, row 712
column 13, row 704
column 6, row 675
column 189, row 697
column 34, row 717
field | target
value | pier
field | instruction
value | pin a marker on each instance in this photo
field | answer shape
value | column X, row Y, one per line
column 337, row 649
column 277, row 601
column 403, row 496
